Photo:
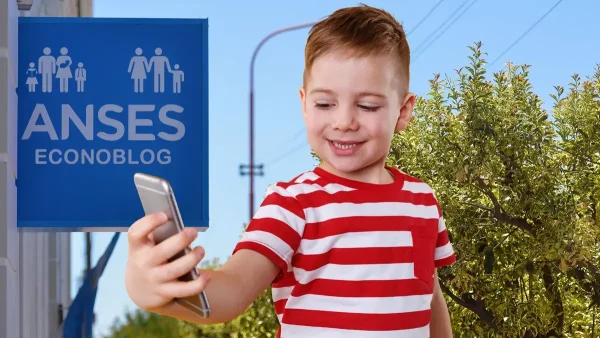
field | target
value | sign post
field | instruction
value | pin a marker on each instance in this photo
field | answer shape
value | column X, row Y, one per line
column 99, row 100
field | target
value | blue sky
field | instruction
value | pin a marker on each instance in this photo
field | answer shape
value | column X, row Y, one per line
column 562, row 44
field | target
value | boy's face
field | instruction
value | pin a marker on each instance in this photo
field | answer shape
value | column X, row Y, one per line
column 351, row 107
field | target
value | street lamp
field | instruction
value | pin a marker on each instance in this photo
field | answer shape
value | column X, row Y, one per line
column 251, row 167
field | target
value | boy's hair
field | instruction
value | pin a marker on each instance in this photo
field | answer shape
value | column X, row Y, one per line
column 360, row 31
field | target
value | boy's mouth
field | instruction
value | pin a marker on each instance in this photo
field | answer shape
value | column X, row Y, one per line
column 345, row 147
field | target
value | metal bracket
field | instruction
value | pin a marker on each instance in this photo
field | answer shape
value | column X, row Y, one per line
column 24, row 5
column 61, row 314
column 246, row 170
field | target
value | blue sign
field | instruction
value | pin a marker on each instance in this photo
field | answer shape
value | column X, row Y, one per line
column 101, row 99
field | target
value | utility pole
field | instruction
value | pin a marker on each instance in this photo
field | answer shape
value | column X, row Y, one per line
column 88, row 267
column 88, row 252
column 252, row 169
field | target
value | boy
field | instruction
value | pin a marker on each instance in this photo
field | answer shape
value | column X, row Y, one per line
column 351, row 248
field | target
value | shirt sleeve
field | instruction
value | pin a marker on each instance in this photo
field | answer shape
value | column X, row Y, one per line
column 444, row 253
column 276, row 228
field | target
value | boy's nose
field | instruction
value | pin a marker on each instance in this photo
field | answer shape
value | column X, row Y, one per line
column 344, row 119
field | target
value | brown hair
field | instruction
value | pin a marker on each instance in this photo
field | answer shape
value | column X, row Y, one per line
column 362, row 30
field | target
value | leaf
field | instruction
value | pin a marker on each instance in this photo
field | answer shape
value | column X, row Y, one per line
column 563, row 265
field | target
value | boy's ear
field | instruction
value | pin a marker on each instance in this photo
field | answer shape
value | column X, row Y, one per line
column 406, row 112
column 302, row 93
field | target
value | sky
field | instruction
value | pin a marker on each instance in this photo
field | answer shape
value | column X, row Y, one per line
column 559, row 46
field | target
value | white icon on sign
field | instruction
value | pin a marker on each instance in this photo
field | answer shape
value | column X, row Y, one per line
column 64, row 70
column 158, row 63
column 32, row 77
column 177, row 79
column 80, row 77
column 49, row 67
column 140, row 67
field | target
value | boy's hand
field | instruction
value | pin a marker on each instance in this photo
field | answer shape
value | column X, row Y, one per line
column 151, row 281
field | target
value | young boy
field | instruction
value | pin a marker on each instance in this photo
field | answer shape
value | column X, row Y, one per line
column 350, row 248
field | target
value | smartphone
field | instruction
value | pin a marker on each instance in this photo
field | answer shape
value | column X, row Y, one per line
column 156, row 195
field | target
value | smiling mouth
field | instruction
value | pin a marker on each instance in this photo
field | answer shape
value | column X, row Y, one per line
column 345, row 145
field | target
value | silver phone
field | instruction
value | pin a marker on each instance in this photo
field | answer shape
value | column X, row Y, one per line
column 156, row 195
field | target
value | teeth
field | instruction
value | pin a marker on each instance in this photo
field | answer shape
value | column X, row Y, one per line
column 344, row 146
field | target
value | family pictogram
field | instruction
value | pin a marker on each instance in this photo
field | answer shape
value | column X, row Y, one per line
column 62, row 68
column 50, row 67
column 140, row 67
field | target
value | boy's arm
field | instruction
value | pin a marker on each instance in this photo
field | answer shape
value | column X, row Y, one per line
column 444, row 255
column 232, row 288
column 440, row 317
column 260, row 258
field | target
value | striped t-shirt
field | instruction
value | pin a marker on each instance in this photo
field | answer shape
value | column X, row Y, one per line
column 357, row 259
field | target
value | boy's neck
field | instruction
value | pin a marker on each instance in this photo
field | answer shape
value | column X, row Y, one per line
column 375, row 173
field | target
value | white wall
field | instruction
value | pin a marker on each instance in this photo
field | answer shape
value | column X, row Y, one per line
column 34, row 267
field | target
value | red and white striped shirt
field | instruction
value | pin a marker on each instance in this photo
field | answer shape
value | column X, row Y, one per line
column 357, row 259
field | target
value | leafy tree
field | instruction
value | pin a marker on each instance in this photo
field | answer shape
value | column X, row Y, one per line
column 142, row 324
column 258, row 321
column 520, row 191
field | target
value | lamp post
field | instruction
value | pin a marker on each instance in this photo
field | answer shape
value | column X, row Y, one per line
column 251, row 167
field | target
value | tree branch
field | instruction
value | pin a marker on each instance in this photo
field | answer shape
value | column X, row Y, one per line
column 477, row 205
column 520, row 223
column 476, row 306
column 593, row 270
column 555, row 297
column 485, row 189
column 499, row 212
column 506, row 237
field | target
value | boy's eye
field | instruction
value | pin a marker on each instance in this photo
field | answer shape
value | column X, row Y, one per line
column 368, row 108
column 322, row 105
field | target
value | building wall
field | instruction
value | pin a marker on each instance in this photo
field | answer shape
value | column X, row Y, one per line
column 34, row 266
column 60, row 8
column 10, row 309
